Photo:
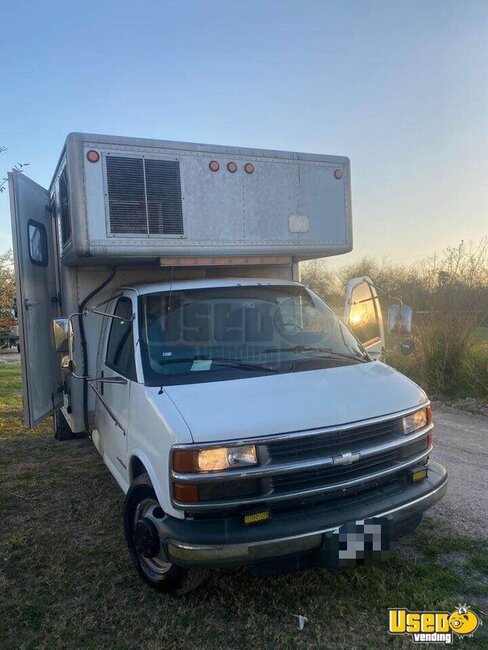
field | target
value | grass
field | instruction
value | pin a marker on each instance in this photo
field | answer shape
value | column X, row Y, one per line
column 10, row 389
column 66, row 580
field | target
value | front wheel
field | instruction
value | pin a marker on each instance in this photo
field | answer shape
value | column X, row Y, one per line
column 141, row 507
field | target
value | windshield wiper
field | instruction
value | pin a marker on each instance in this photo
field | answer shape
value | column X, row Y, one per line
column 222, row 361
column 311, row 348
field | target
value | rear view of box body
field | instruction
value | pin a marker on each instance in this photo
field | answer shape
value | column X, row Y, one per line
column 141, row 200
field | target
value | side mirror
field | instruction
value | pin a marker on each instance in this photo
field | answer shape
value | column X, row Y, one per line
column 400, row 319
column 63, row 343
column 407, row 346
column 61, row 329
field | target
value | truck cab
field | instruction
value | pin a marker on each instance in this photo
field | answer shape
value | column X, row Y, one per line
column 245, row 421
column 224, row 397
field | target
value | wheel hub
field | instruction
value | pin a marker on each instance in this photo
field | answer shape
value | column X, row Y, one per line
column 146, row 538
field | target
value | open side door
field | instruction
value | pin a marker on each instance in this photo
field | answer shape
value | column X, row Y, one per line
column 35, row 276
column 362, row 314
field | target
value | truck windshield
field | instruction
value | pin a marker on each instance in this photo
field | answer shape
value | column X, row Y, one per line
column 222, row 333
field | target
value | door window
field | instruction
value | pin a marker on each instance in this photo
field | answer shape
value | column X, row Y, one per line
column 120, row 349
column 37, row 243
column 363, row 318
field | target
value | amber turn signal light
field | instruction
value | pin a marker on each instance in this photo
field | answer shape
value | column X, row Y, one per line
column 185, row 493
column 185, row 461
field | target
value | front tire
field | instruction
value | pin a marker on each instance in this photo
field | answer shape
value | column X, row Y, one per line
column 163, row 576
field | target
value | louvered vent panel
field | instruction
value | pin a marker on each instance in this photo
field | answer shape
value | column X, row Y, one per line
column 164, row 197
column 126, row 197
column 144, row 196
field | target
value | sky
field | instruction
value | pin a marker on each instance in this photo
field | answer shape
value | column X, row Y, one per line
column 399, row 87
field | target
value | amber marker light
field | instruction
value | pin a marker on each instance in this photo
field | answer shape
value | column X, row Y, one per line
column 214, row 166
column 185, row 493
column 185, row 461
column 249, row 168
column 232, row 167
column 338, row 174
column 93, row 156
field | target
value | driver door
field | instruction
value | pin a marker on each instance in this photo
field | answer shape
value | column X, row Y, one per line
column 362, row 314
column 113, row 404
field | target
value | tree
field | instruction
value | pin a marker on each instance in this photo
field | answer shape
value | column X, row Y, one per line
column 7, row 276
column 18, row 167
column 7, row 281
column 316, row 275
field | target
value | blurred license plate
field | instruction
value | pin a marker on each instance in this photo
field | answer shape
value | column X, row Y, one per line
column 366, row 541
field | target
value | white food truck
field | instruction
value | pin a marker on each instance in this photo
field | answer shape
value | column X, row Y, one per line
column 161, row 314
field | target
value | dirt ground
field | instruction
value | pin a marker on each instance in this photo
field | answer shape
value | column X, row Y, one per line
column 461, row 445
column 9, row 355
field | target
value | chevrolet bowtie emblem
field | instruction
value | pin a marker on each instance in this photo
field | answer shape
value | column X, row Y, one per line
column 346, row 458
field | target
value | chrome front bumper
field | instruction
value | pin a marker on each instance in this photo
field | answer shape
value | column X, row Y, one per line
column 204, row 543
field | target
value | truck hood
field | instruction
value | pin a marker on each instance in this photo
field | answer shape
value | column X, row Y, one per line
column 262, row 406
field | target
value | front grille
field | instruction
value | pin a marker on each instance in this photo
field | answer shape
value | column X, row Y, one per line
column 144, row 196
column 326, row 476
column 367, row 492
column 334, row 441
column 300, row 468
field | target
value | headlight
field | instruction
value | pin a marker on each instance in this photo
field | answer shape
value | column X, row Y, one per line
column 214, row 459
column 417, row 420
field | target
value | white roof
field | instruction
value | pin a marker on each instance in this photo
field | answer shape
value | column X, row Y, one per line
column 179, row 285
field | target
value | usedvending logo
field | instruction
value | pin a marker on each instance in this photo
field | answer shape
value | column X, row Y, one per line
column 433, row 627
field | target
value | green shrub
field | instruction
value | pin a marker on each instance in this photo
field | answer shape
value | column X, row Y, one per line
column 443, row 347
column 477, row 364
column 447, row 362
